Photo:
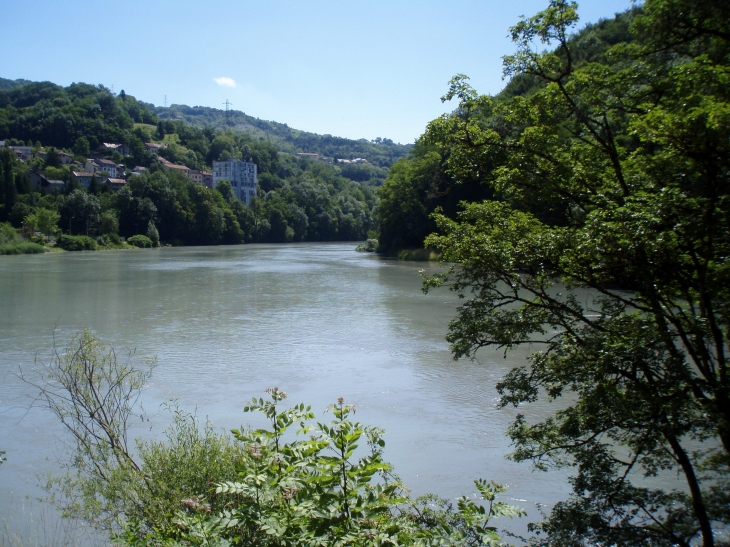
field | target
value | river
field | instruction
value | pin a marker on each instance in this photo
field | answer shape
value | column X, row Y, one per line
column 317, row 320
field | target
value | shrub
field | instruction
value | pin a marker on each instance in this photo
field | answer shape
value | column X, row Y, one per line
column 370, row 246
column 140, row 241
column 21, row 248
column 76, row 243
column 153, row 234
column 200, row 487
column 7, row 233
column 109, row 240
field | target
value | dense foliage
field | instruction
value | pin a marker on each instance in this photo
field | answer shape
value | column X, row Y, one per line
column 300, row 199
column 380, row 152
column 422, row 182
column 607, row 250
column 261, row 486
column 58, row 116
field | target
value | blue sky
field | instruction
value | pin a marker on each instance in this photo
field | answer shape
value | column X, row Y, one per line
column 352, row 69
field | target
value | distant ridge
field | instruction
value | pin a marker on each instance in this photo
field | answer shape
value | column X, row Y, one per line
column 9, row 84
column 382, row 153
column 285, row 138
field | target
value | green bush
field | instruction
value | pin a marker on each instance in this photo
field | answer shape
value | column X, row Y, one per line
column 21, row 248
column 109, row 240
column 7, row 233
column 370, row 246
column 263, row 487
column 140, row 241
column 76, row 243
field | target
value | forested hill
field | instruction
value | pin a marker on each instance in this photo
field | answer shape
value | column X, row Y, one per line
column 424, row 181
column 382, row 152
column 58, row 116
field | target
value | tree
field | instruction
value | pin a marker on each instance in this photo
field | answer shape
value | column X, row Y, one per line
column 225, row 189
column 108, row 222
column 8, row 192
column 613, row 176
column 80, row 212
column 52, row 158
column 153, row 234
column 82, row 147
column 45, row 220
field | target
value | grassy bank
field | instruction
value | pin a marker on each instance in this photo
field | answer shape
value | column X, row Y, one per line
column 416, row 255
column 21, row 248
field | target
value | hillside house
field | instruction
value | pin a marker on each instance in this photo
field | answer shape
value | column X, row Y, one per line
column 100, row 165
column 153, row 147
column 116, row 147
column 83, row 177
column 201, row 177
column 116, row 184
column 184, row 169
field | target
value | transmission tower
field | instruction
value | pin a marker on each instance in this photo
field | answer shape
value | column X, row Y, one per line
column 165, row 101
column 228, row 112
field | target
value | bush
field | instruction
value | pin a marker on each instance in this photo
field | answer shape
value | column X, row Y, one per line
column 7, row 233
column 200, row 487
column 140, row 241
column 21, row 248
column 76, row 243
column 370, row 246
column 109, row 240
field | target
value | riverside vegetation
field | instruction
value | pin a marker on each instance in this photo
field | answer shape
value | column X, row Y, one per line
column 265, row 486
column 300, row 199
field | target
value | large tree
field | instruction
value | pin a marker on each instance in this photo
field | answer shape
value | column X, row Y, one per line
column 608, row 253
column 8, row 192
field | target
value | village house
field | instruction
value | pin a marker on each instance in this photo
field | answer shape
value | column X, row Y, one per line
column 23, row 152
column 63, row 157
column 202, row 177
column 153, row 147
column 116, row 147
column 83, row 177
column 100, row 165
column 116, row 184
column 354, row 160
column 185, row 170
column 40, row 183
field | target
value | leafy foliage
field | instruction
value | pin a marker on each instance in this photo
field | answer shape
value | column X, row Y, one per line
column 380, row 152
column 613, row 177
column 259, row 487
column 141, row 241
column 76, row 243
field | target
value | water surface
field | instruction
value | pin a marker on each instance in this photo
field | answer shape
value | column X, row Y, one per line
column 317, row 320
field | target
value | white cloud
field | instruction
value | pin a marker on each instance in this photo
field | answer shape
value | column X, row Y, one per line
column 227, row 82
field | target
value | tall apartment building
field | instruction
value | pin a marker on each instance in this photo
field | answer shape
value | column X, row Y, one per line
column 241, row 174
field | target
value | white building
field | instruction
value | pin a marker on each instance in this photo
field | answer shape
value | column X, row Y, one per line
column 241, row 174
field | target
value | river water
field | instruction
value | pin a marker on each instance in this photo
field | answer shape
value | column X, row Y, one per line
column 317, row 320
